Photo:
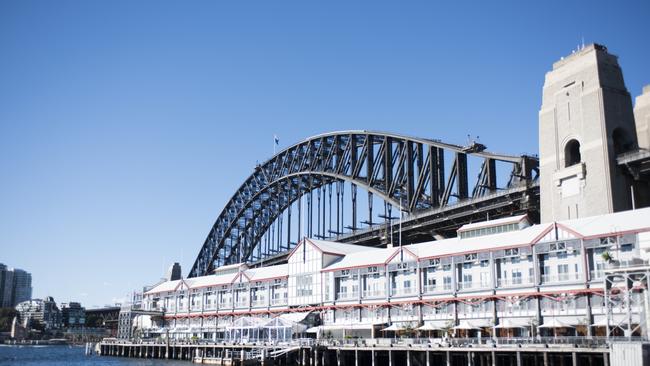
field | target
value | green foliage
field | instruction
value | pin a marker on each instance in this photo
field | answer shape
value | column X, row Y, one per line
column 606, row 256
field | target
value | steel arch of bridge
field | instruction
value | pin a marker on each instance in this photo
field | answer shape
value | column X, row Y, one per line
column 406, row 172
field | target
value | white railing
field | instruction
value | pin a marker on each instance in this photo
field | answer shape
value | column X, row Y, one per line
column 258, row 303
column 277, row 302
column 349, row 295
column 402, row 291
column 373, row 293
column 562, row 277
column 225, row 305
column 597, row 274
column 516, row 281
column 432, row 288
column 241, row 303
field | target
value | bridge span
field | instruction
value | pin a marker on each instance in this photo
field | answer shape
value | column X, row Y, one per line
column 314, row 188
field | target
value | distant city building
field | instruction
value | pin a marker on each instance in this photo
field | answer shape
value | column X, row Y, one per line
column 174, row 272
column 73, row 315
column 40, row 311
column 15, row 286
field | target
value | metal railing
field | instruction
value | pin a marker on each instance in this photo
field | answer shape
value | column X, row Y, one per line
column 515, row 281
column 241, row 304
column 562, row 277
column 373, row 293
column 403, row 291
column 349, row 295
column 278, row 302
column 259, row 303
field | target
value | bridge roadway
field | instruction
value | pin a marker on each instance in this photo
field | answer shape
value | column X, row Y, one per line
column 356, row 353
column 442, row 222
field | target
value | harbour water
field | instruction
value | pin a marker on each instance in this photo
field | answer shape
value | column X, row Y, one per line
column 69, row 356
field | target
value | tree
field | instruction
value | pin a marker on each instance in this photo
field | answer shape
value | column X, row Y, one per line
column 7, row 316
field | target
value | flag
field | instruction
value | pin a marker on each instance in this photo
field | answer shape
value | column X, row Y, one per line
column 276, row 139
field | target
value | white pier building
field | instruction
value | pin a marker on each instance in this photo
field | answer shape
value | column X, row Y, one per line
column 501, row 278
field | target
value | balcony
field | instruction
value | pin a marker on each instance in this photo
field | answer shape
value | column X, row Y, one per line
column 225, row 305
column 259, row 303
column 428, row 289
column 516, row 281
column 406, row 291
column 279, row 302
column 241, row 304
column 370, row 294
column 472, row 285
column 350, row 295
column 209, row 306
column 597, row 274
column 562, row 277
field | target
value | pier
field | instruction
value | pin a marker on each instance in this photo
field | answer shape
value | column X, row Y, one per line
column 383, row 352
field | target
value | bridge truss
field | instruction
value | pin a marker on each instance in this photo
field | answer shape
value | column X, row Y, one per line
column 425, row 179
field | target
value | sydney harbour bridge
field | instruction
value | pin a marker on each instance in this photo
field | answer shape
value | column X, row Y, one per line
column 367, row 188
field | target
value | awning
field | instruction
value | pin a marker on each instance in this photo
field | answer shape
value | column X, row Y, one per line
column 616, row 320
column 295, row 317
column 558, row 323
column 513, row 323
column 396, row 327
column 348, row 326
column 434, row 325
column 473, row 324
column 313, row 330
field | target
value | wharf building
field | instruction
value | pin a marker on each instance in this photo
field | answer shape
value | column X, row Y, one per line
column 499, row 278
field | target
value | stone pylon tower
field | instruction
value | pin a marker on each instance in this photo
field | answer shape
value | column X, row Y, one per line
column 585, row 121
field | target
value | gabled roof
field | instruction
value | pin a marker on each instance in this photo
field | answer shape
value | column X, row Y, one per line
column 330, row 247
column 619, row 222
column 362, row 259
column 164, row 287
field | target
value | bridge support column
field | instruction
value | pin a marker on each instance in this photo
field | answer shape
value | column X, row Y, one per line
column 390, row 358
column 545, row 358
column 338, row 357
column 448, row 354
column 356, row 357
column 605, row 359
column 518, row 358
column 574, row 359
column 372, row 357
column 470, row 359
column 428, row 355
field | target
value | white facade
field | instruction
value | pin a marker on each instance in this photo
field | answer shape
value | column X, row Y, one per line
column 535, row 275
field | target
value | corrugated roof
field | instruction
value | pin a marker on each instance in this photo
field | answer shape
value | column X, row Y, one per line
column 612, row 223
column 164, row 287
column 212, row 280
column 491, row 223
column 261, row 273
column 480, row 243
column 338, row 248
column 363, row 258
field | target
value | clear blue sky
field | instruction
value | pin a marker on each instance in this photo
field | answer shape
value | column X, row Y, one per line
column 126, row 126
